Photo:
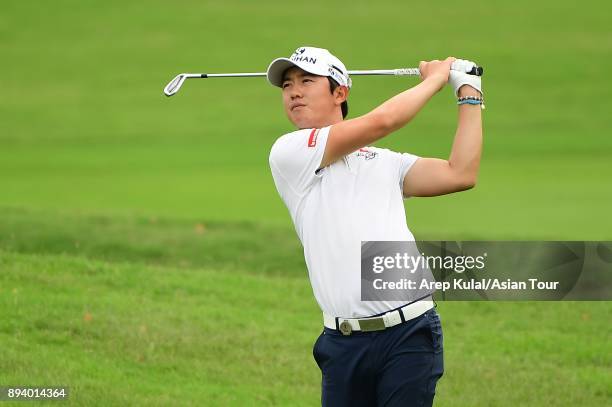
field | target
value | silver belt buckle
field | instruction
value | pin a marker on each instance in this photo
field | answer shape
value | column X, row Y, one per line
column 346, row 328
column 372, row 324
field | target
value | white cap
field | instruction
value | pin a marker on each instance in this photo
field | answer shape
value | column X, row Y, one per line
column 317, row 61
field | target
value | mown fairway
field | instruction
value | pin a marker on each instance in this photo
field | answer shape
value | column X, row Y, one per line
column 146, row 259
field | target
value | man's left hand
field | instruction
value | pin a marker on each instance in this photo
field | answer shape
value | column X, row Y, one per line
column 458, row 76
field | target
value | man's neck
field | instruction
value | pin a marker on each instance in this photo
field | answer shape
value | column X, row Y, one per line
column 324, row 123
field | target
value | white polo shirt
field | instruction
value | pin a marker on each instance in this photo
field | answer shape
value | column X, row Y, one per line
column 358, row 198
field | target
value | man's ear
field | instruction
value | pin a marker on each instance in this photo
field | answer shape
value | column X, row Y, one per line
column 341, row 93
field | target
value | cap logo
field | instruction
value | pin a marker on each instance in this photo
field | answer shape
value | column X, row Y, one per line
column 334, row 74
column 303, row 58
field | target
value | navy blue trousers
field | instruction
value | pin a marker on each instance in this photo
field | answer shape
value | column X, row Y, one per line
column 398, row 366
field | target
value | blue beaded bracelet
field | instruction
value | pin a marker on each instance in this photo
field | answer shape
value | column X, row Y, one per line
column 471, row 100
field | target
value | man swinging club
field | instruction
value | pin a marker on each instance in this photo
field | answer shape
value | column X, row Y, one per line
column 340, row 192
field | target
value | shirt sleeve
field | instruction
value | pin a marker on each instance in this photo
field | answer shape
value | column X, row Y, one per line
column 404, row 161
column 296, row 157
column 407, row 160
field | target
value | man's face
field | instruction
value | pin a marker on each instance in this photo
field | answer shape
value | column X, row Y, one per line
column 307, row 99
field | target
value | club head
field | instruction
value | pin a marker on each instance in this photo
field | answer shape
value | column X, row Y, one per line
column 175, row 84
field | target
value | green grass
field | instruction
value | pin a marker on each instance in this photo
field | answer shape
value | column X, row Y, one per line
column 122, row 333
column 150, row 335
column 155, row 311
column 245, row 247
column 135, row 230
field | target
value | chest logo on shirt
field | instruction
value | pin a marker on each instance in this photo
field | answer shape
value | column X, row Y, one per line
column 312, row 139
column 367, row 154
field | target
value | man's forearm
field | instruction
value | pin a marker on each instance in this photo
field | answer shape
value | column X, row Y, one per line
column 400, row 109
column 467, row 146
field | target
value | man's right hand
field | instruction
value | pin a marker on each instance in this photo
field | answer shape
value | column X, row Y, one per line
column 436, row 70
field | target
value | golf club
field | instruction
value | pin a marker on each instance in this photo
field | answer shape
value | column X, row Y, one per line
column 176, row 83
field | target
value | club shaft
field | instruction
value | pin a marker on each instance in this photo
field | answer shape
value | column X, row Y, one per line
column 401, row 71
column 177, row 82
column 232, row 75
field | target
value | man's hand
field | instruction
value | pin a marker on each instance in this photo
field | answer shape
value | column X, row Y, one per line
column 458, row 77
column 437, row 71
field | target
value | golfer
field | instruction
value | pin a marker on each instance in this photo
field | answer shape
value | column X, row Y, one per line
column 340, row 191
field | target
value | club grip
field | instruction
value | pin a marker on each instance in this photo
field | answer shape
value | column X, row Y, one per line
column 477, row 70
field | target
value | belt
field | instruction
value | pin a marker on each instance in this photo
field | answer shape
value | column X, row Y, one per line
column 378, row 323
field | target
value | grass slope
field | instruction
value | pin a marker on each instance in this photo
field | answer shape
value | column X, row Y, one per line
column 124, row 334
column 132, row 312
